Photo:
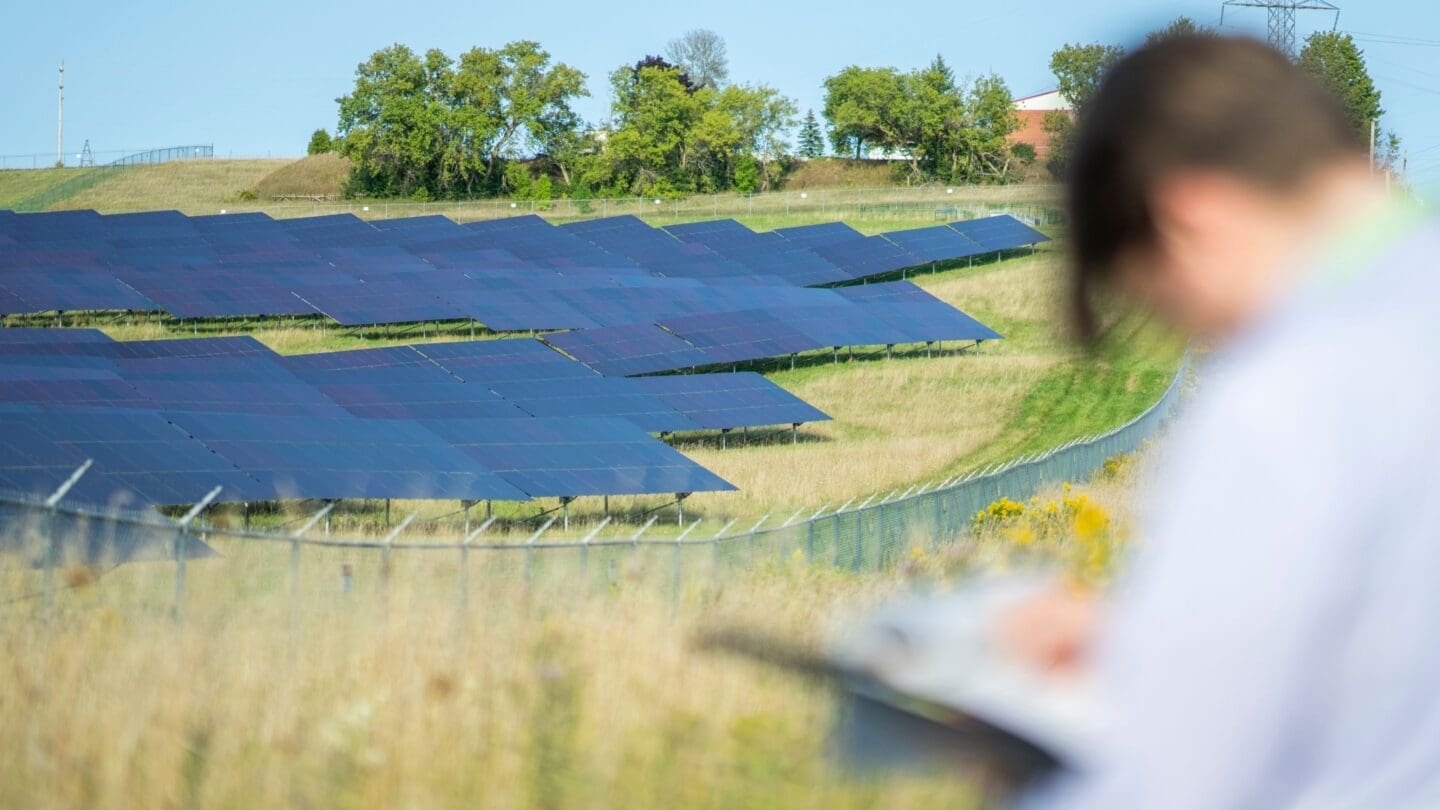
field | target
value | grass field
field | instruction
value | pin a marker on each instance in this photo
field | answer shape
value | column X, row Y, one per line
column 19, row 184
column 405, row 697
column 210, row 186
column 191, row 186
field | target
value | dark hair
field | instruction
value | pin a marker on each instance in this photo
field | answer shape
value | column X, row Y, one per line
column 1188, row 102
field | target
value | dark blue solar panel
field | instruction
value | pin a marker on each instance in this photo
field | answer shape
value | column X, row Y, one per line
column 46, row 335
column 737, row 337
column 594, row 396
column 71, row 289
column 136, row 451
column 624, row 350
column 487, row 361
column 345, row 458
column 925, row 322
column 1002, row 232
column 392, row 357
column 867, row 256
column 826, row 233
column 578, row 456
column 891, row 292
column 935, row 244
column 721, row 401
column 416, row 400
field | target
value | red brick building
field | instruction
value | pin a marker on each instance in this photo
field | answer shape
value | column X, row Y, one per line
column 1032, row 110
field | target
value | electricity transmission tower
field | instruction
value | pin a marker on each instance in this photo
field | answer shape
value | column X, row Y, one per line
column 1281, row 22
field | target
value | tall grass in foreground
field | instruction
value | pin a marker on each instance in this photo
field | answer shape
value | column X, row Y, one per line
column 398, row 693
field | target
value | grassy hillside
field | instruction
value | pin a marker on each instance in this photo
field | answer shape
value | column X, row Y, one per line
column 316, row 175
column 18, row 184
column 192, row 186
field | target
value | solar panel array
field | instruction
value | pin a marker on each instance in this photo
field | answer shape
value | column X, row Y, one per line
column 165, row 421
column 510, row 275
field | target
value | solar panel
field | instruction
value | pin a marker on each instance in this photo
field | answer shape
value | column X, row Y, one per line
column 516, row 360
column 416, row 400
column 620, row 351
column 577, row 457
column 722, row 401
column 27, row 335
column 935, row 244
column 1003, row 232
column 827, row 233
column 594, row 396
column 295, row 457
column 133, row 451
column 866, row 256
column 737, row 337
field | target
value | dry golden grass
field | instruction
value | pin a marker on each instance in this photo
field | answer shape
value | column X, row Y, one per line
column 322, row 175
column 191, row 186
column 578, row 692
column 392, row 699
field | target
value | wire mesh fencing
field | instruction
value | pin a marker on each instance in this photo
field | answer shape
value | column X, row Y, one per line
column 50, row 549
column 1035, row 204
column 91, row 177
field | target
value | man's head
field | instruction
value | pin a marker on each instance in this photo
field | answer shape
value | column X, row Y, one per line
column 1197, row 166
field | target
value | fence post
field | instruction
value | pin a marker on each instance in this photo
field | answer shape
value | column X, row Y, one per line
column 530, row 551
column 463, row 606
column 177, row 610
column 675, row 566
column 52, row 538
column 295, row 564
column 385, row 551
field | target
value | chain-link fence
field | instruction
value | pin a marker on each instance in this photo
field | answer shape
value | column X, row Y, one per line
column 869, row 535
column 91, row 177
column 1035, row 204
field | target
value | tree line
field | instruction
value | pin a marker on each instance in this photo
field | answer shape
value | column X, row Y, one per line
column 502, row 122
column 1331, row 57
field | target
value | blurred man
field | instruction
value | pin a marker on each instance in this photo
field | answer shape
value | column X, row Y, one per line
column 1276, row 643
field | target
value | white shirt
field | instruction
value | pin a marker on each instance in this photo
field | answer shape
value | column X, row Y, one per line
column 1277, row 643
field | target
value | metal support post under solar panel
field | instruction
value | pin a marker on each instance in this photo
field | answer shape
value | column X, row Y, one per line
column 680, row 507
column 52, row 542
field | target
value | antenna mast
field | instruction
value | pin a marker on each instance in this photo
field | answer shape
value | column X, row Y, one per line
column 1281, row 23
column 60, row 120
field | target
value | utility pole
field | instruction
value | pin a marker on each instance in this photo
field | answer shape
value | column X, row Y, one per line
column 1372, row 146
column 60, row 120
column 1280, row 22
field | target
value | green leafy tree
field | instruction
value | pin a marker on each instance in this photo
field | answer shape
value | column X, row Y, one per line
column 946, row 130
column 812, row 139
column 654, row 116
column 865, row 107
column 394, row 124
column 1180, row 27
column 668, row 137
column 1078, row 70
column 1337, row 63
column 430, row 122
column 320, row 143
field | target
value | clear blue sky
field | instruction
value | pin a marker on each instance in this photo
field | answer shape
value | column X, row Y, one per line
column 256, row 77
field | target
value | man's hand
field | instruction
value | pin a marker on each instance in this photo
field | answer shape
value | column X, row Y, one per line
column 1051, row 631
